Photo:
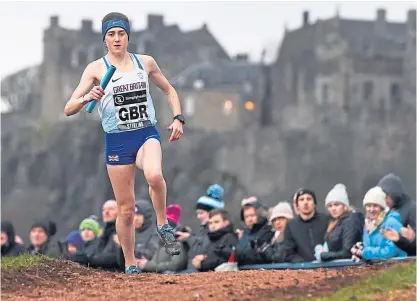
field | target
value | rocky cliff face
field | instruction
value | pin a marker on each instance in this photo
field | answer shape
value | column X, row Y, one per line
column 59, row 172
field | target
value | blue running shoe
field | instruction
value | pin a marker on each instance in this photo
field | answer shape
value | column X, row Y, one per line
column 166, row 233
column 132, row 270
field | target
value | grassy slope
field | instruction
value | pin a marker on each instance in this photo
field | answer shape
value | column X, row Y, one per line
column 394, row 281
column 25, row 261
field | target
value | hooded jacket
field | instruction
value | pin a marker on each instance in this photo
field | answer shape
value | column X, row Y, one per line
column 11, row 248
column 146, row 237
column 392, row 185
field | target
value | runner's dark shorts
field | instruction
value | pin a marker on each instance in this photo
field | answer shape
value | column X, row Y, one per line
column 122, row 148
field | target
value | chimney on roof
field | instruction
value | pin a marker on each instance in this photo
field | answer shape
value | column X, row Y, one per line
column 306, row 18
column 242, row 57
column 54, row 21
column 381, row 21
column 86, row 25
column 411, row 20
column 155, row 22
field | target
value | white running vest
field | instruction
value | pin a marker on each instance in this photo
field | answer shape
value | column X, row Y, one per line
column 127, row 104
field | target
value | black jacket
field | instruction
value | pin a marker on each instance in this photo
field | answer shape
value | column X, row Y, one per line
column 346, row 233
column 11, row 248
column 105, row 254
column 223, row 238
column 260, row 235
column 49, row 248
column 301, row 236
column 196, row 244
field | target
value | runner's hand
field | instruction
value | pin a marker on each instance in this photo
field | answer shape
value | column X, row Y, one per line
column 96, row 93
column 177, row 131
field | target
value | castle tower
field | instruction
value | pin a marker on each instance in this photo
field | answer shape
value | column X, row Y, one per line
column 51, row 71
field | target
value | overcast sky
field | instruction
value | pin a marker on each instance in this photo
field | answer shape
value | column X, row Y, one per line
column 239, row 26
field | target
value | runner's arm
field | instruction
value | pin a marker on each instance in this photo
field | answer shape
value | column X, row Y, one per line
column 75, row 104
column 162, row 83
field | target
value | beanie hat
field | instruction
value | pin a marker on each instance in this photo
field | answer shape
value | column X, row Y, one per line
column 75, row 239
column 283, row 209
column 213, row 199
column 90, row 223
column 207, row 203
column 215, row 191
column 376, row 196
column 303, row 191
column 174, row 213
column 338, row 194
column 48, row 226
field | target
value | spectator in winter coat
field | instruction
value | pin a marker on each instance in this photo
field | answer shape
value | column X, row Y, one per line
column 107, row 248
column 255, row 217
column 375, row 246
column 221, row 236
column 161, row 261
column 109, row 211
column 345, row 227
column 89, row 230
column 73, row 242
column 305, row 231
column 196, row 242
column 146, row 238
column 41, row 242
column 212, row 200
column 398, row 200
column 257, row 235
column 9, row 246
column 281, row 214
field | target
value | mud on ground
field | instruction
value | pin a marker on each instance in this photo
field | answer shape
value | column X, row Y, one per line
column 62, row 280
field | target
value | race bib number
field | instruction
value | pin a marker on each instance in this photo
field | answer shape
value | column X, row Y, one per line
column 132, row 110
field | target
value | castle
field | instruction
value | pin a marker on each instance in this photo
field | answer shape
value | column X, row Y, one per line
column 337, row 106
column 335, row 67
column 344, row 68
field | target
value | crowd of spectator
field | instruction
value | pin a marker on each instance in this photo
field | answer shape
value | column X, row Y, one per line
column 290, row 232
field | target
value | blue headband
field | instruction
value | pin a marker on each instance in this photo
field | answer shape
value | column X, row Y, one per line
column 114, row 23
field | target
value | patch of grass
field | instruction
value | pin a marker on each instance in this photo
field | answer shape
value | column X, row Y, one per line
column 24, row 261
column 401, row 277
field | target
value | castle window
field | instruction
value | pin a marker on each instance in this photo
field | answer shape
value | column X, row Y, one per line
column 189, row 106
column 325, row 93
column 82, row 58
column 227, row 107
column 288, row 77
column 368, row 90
column 395, row 92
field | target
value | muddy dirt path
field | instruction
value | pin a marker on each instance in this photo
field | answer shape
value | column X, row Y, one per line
column 66, row 281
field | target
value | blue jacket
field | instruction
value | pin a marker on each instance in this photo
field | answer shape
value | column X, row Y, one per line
column 376, row 246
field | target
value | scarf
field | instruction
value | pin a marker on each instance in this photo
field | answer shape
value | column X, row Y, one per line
column 372, row 225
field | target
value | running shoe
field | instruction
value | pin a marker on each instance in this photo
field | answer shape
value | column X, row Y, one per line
column 132, row 270
column 166, row 233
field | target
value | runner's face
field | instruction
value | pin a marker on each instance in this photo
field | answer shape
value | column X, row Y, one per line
column 116, row 40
